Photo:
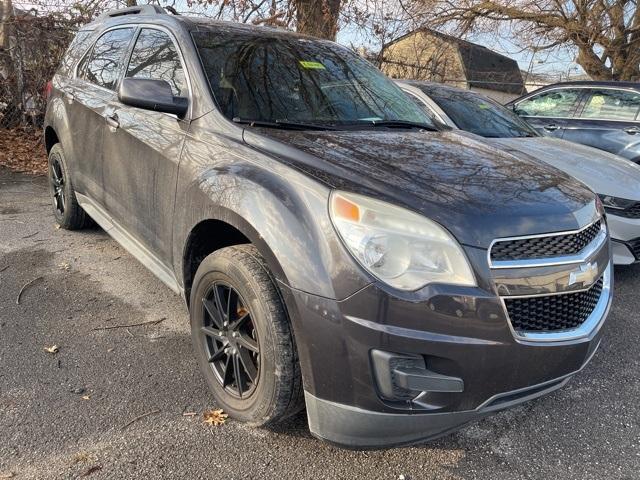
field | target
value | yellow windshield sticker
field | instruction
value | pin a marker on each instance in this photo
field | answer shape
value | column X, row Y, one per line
column 312, row 65
column 484, row 106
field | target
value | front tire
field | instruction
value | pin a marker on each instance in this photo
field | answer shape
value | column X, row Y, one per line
column 242, row 337
column 69, row 215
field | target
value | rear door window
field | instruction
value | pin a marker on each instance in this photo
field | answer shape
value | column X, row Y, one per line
column 559, row 103
column 104, row 64
column 609, row 104
column 78, row 46
column 155, row 57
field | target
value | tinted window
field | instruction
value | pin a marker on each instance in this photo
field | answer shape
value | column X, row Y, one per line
column 103, row 65
column 480, row 115
column 77, row 47
column 555, row 103
column 155, row 56
column 612, row 105
column 261, row 77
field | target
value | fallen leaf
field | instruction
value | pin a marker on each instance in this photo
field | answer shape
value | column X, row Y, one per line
column 215, row 417
column 7, row 475
column 64, row 266
column 86, row 397
column 52, row 349
column 81, row 457
column 189, row 414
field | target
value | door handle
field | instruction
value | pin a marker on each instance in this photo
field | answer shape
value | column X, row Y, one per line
column 112, row 122
column 551, row 127
column 632, row 130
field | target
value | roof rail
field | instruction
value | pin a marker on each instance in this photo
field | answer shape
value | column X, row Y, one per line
column 139, row 10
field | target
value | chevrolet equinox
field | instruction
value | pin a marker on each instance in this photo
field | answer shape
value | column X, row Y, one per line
column 337, row 250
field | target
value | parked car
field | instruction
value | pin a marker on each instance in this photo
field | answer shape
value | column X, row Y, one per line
column 603, row 115
column 615, row 179
column 335, row 248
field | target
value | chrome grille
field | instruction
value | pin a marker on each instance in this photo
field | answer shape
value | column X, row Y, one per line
column 553, row 313
column 544, row 247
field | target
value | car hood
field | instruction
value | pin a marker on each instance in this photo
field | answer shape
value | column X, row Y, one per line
column 454, row 178
column 603, row 172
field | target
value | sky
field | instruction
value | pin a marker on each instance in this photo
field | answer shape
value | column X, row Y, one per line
column 556, row 62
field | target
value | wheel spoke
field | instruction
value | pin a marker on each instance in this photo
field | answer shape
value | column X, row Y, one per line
column 62, row 201
column 214, row 313
column 217, row 355
column 247, row 363
column 213, row 333
column 238, row 323
column 219, row 305
column 227, row 375
column 232, row 305
column 237, row 373
column 247, row 342
column 56, row 177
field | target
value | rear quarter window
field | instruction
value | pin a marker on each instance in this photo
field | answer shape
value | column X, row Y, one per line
column 79, row 45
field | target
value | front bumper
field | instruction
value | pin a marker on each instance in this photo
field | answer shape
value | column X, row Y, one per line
column 460, row 334
column 625, row 236
column 354, row 427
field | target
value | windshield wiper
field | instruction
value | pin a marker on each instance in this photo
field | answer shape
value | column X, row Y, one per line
column 282, row 124
column 403, row 124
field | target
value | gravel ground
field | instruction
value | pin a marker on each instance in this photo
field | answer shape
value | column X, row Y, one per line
column 65, row 415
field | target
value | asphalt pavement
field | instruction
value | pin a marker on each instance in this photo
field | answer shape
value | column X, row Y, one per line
column 128, row 402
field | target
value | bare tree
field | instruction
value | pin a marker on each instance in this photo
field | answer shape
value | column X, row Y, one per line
column 313, row 17
column 605, row 34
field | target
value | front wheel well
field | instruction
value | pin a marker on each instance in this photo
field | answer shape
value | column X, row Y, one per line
column 50, row 138
column 205, row 238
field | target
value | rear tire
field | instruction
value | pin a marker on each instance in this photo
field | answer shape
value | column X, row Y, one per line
column 242, row 338
column 69, row 215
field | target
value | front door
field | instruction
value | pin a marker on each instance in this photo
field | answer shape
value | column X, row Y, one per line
column 549, row 111
column 87, row 98
column 142, row 149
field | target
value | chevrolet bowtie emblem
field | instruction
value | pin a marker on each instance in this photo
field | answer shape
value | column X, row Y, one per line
column 585, row 274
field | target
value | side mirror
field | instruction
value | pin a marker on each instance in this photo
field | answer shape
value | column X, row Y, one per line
column 152, row 95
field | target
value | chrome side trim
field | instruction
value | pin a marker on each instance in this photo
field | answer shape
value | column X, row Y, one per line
column 581, row 257
column 591, row 325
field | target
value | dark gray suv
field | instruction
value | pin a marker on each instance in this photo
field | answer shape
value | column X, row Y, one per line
column 335, row 248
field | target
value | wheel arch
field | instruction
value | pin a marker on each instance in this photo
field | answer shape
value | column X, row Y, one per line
column 216, row 232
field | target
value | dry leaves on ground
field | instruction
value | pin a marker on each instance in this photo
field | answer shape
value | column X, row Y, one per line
column 215, row 417
column 51, row 349
column 22, row 150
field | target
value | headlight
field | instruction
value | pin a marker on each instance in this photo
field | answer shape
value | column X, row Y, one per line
column 399, row 247
column 615, row 203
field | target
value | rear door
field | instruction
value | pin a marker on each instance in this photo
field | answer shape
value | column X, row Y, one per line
column 94, row 87
column 608, row 121
column 550, row 111
column 142, row 148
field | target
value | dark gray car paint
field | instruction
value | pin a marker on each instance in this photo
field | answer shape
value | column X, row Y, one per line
column 615, row 136
column 160, row 177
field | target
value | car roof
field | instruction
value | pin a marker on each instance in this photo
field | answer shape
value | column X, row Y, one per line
column 157, row 15
column 594, row 83
column 430, row 88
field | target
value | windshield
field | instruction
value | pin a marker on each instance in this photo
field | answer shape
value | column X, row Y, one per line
column 480, row 115
column 283, row 78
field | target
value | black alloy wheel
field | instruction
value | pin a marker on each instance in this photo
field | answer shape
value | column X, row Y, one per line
column 56, row 178
column 231, row 340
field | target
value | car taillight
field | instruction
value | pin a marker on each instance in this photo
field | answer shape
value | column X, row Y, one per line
column 48, row 89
